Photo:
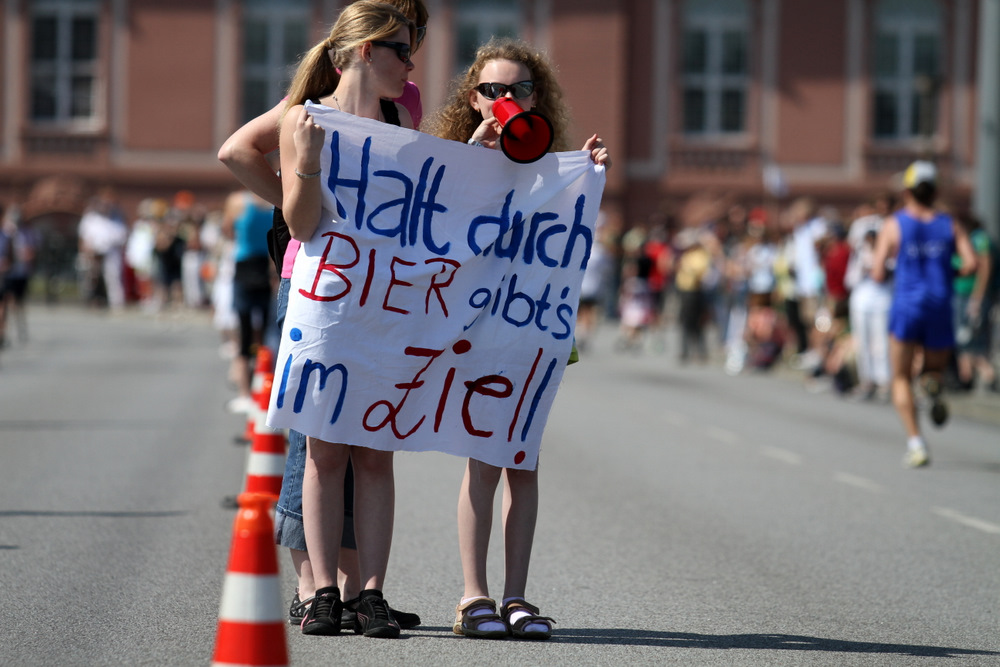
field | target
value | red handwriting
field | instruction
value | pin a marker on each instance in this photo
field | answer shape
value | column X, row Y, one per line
column 436, row 274
column 386, row 413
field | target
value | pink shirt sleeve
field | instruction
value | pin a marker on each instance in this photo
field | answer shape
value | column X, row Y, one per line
column 288, row 261
column 410, row 99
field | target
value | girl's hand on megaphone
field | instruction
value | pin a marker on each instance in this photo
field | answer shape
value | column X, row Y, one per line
column 488, row 132
column 598, row 151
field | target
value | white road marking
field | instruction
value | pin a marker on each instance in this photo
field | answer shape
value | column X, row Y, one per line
column 971, row 522
column 783, row 455
column 858, row 482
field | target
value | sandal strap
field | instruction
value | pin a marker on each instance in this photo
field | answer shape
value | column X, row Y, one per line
column 519, row 624
column 514, row 605
column 477, row 603
column 532, row 615
column 464, row 618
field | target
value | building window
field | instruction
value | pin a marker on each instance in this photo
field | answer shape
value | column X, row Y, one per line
column 906, row 69
column 275, row 35
column 714, row 66
column 476, row 21
column 63, row 61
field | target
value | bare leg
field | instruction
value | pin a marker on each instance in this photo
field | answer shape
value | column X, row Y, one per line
column 475, row 521
column 374, row 507
column 901, row 358
column 349, row 574
column 303, row 573
column 520, row 511
column 323, row 507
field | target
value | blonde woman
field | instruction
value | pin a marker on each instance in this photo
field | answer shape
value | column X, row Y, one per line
column 361, row 64
column 251, row 154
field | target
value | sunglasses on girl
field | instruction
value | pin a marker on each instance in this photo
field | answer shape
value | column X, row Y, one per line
column 492, row 91
column 402, row 49
column 421, row 33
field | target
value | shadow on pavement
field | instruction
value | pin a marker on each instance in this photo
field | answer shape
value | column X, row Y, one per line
column 771, row 642
column 109, row 515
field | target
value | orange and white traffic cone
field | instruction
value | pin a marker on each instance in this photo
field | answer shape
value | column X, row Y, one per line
column 252, row 620
column 266, row 463
column 263, row 370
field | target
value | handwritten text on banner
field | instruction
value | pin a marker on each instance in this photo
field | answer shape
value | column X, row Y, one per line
column 434, row 307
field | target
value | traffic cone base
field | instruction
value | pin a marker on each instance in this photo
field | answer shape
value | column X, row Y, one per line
column 252, row 622
column 252, row 644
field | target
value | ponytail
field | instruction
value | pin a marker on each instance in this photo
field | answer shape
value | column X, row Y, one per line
column 315, row 76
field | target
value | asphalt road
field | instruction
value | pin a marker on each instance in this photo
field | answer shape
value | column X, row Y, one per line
column 687, row 517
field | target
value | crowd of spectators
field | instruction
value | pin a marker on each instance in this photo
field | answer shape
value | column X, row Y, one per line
column 751, row 287
column 755, row 287
column 168, row 256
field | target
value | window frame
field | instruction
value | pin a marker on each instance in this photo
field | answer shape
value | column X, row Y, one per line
column 63, row 69
column 487, row 19
column 274, row 72
column 714, row 82
column 902, row 87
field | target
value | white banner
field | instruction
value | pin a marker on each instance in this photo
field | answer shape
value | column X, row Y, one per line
column 434, row 307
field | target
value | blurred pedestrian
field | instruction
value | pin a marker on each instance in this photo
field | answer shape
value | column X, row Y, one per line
column 140, row 249
column 169, row 251
column 249, row 218
column 764, row 336
column 189, row 221
column 102, row 236
column 18, row 250
column 806, row 272
column 693, row 269
column 636, row 310
column 595, row 287
column 973, row 301
column 869, row 302
column 922, row 239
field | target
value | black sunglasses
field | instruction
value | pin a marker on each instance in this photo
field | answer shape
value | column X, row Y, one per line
column 492, row 91
column 402, row 49
column 421, row 33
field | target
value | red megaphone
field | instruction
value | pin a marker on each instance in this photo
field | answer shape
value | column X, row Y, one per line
column 526, row 135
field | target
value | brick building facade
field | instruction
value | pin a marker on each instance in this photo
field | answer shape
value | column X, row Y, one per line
column 756, row 98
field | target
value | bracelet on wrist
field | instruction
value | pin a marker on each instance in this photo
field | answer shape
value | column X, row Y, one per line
column 308, row 176
column 473, row 142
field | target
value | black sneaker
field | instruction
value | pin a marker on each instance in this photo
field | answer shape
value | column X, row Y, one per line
column 323, row 615
column 405, row 619
column 374, row 618
column 297, row 610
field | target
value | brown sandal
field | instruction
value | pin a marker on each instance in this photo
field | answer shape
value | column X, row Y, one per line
column 516, row 628
column 468, row 625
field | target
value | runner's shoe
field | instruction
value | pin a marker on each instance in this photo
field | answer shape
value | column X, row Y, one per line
column 916, row 458
column 939, row 409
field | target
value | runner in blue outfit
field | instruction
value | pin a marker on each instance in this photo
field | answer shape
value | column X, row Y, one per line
column 921, row 240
